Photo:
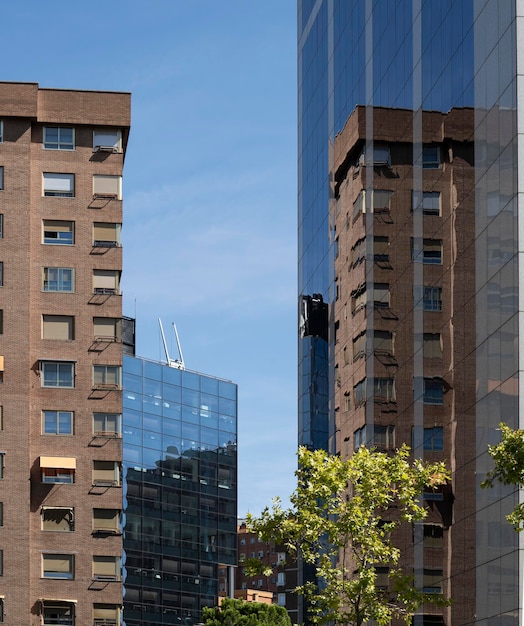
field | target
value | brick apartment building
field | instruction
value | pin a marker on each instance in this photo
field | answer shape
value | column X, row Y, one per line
column 61, row 159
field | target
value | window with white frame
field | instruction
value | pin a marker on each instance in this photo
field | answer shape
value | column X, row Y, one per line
column 431, row 203
column 60, row 327
column 58, row 566
column 57, row 374
column 106, row 473
column 59, row 138
column 107, row 140
column 107, row 424
column 59, row 185
column 107, row 186
column 106, row 235
column 57, row 422
column 106, row 281
column 106, row 568
column 58, row 279
column 106, row 375
column 58, row 519
column 59, row 232
column 281, row 579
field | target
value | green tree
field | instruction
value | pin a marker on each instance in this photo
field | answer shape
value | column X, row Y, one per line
column 240, row 613
column 508, row 456
column 342, row 516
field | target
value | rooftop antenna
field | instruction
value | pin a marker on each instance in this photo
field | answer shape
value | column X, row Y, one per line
column 176, row 363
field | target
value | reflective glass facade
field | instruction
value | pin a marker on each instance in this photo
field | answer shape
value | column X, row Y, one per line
column 408, row 230
column 180, row 491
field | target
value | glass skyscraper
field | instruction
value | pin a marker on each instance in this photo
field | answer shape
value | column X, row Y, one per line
column 409, row 137
column 180, row 491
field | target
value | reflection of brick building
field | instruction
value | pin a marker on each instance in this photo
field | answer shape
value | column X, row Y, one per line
column 404, row 317
column 281, row 582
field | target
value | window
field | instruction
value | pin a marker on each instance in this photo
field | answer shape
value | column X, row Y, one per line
column 57, row 374
column 381, row 200
column 59, row 138
column 427, row 620
column 58, row 612
column 106, row 281
column 384, row 389
column 382, row 342
column 106, row 235
column 281, row 599
column 1, row 513
column 106, row 520
column 106, row 614
column 432, row 299
column 59, row 185
column 433, row 391
column 381, row 154
column 358, row 298
column 434, row 438
column 2, row 464
column 431, row 203
column 107, row 424
column 58, row 566
column 106, row 376
column 106, row 473
column 1, row 417
column 432, row 581
column 1, row 177
column 1, row 562
column 1, row 606
column 430, row 157
column 381, row 295
column 381, row 437
column 107, row 140
column 1, row 273
column 1, row 225
column 57, row 422
column 359, row 392
column 281, row 579
column 106, row 568
column 106, row 328
column 358, row 252
column 59, row 232
column 58, row 519
column 359, row 346
column 358, row 205
column 432, row 345
column 58, row 279
column 60, row 327
column 432, row 252
column 381, row 249
column 1, row 321
column 107, row 186
column 58, row 469
column 433, row 536
column 1, row 131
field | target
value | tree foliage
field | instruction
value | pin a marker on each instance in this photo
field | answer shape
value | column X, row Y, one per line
column 240, row 613
column 508, row 456
column 341, row 518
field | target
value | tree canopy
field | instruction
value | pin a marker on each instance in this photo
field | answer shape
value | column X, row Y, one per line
column 508, row 456
column 241, row 613
column 341, row 518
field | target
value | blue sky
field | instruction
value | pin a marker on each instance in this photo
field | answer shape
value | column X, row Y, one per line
column 210, row 187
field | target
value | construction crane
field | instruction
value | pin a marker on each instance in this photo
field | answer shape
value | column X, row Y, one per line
column 176, row 363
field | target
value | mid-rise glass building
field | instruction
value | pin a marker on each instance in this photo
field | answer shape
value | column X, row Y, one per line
column 180, row 491
column 410, row 187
